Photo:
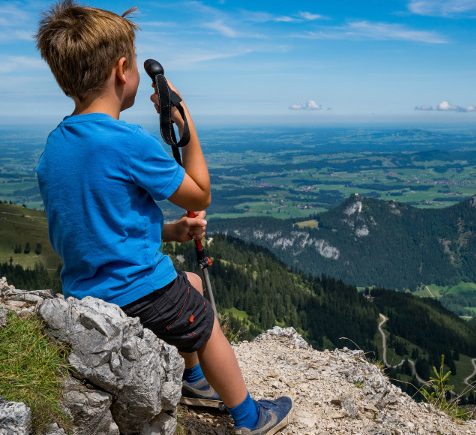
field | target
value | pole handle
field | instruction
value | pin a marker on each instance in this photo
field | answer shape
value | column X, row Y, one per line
column 203, row 260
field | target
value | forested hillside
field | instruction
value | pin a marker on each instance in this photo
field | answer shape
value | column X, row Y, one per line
column 366, row 242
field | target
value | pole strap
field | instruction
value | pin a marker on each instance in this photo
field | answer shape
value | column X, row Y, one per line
column 169, row 99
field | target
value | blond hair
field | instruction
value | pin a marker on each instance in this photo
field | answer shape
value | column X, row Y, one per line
column 82, row 44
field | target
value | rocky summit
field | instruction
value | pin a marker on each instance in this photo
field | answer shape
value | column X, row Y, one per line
column 335, row 392
column 127, row 381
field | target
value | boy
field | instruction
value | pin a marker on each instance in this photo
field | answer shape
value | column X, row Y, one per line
column 99, row 177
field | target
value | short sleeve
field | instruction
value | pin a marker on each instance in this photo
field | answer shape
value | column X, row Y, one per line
column 151, row 168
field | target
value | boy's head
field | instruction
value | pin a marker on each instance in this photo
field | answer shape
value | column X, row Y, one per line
column 82, row 45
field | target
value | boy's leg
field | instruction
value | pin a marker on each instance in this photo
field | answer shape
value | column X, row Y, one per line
column 219, row 363
column 191, row 359
column 221, row 369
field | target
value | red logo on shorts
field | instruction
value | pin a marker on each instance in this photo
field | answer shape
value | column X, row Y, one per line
column 191, row 319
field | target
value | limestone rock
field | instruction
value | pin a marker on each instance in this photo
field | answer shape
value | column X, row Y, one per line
column 3, row 316
column 288, row 335
column 89, row 409
column 15, row 418
column 115, row 353
column 24, row 302
column 54, row 429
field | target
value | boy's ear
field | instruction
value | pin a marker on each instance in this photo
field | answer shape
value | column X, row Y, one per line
column 121, row 67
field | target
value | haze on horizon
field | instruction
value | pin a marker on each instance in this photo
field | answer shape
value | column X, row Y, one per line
column 292, row 63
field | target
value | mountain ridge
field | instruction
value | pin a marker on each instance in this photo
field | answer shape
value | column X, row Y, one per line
column 358, row 240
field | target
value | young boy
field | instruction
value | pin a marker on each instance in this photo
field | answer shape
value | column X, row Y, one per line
column 99, row 178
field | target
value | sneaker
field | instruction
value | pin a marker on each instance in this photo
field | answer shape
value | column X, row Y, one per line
column 201, row 393
column 273, row 416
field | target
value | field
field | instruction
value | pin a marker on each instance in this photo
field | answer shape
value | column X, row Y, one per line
column 24, row 238
column 459, row 298
column 20, row 149
column 290, row 172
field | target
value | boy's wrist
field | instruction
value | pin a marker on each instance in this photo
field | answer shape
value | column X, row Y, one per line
column 170, row 233
column 177, row 117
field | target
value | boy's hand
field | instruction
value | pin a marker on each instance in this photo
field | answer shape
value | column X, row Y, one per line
column 186, row 228
column 177, row 118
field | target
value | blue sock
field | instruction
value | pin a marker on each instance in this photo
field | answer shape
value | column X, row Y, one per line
column 193, row 375
column 245, row 414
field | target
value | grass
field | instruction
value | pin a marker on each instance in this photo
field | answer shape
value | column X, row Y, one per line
column 33, row 368
column 440, row 291
column 312, row 223
column 19, row 225
column 464, row 368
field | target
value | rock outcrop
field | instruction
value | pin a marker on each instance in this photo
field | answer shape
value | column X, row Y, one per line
column 133, row 378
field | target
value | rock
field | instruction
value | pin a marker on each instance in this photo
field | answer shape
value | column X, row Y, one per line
column 290, row 335
column 3, row 316
column 165, row 423
column 15, row 418
column 54, row 429
column 23, row 302
column 4, row 286
column 115, row 353
column 89, row 409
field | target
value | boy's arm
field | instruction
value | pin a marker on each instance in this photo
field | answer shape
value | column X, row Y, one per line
column 185, row 229
column 194, row 192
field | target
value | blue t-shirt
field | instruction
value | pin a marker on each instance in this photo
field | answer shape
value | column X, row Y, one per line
column 98, row 178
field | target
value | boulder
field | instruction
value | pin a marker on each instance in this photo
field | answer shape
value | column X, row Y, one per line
column 89, row 409
column 15, row 418
column 116, row 354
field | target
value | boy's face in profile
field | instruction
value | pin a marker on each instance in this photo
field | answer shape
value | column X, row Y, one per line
column 131, row 85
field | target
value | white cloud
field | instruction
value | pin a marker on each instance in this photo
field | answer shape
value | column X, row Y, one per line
column 446, row 106
column 11, row 15
column 264, row 17
column 441, row 7
column 284, row 19
column 21, row 64
column 186, row 59
column 15, row 35
column 309, row 105
column 309, row 16
column 12, row 18
column 157, row 24
column 375, row 31
column 222, row 28
column 204, row 56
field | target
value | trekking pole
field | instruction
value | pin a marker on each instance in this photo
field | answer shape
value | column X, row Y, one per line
column 168, row 99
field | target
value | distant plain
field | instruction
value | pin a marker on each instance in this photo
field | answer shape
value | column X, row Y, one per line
column 295, row 172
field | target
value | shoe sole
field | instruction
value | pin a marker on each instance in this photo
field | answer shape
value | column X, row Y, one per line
column 206, row 403
column 283, row 423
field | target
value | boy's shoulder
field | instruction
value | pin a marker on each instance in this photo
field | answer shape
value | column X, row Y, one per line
column 102, row 127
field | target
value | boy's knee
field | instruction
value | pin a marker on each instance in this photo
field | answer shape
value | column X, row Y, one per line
column 196, row 281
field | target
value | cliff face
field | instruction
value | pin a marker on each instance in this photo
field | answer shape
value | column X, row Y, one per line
column 335, row 392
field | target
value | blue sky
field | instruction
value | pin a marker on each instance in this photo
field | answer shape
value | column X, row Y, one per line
column 274, row 61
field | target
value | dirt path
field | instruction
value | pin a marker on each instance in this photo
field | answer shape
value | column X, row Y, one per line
column 384, row 319
column 467, row 378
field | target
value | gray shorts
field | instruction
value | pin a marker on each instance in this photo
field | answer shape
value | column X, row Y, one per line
column 176, row 313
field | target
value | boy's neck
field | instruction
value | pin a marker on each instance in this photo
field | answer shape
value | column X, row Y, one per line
column 98, row 104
